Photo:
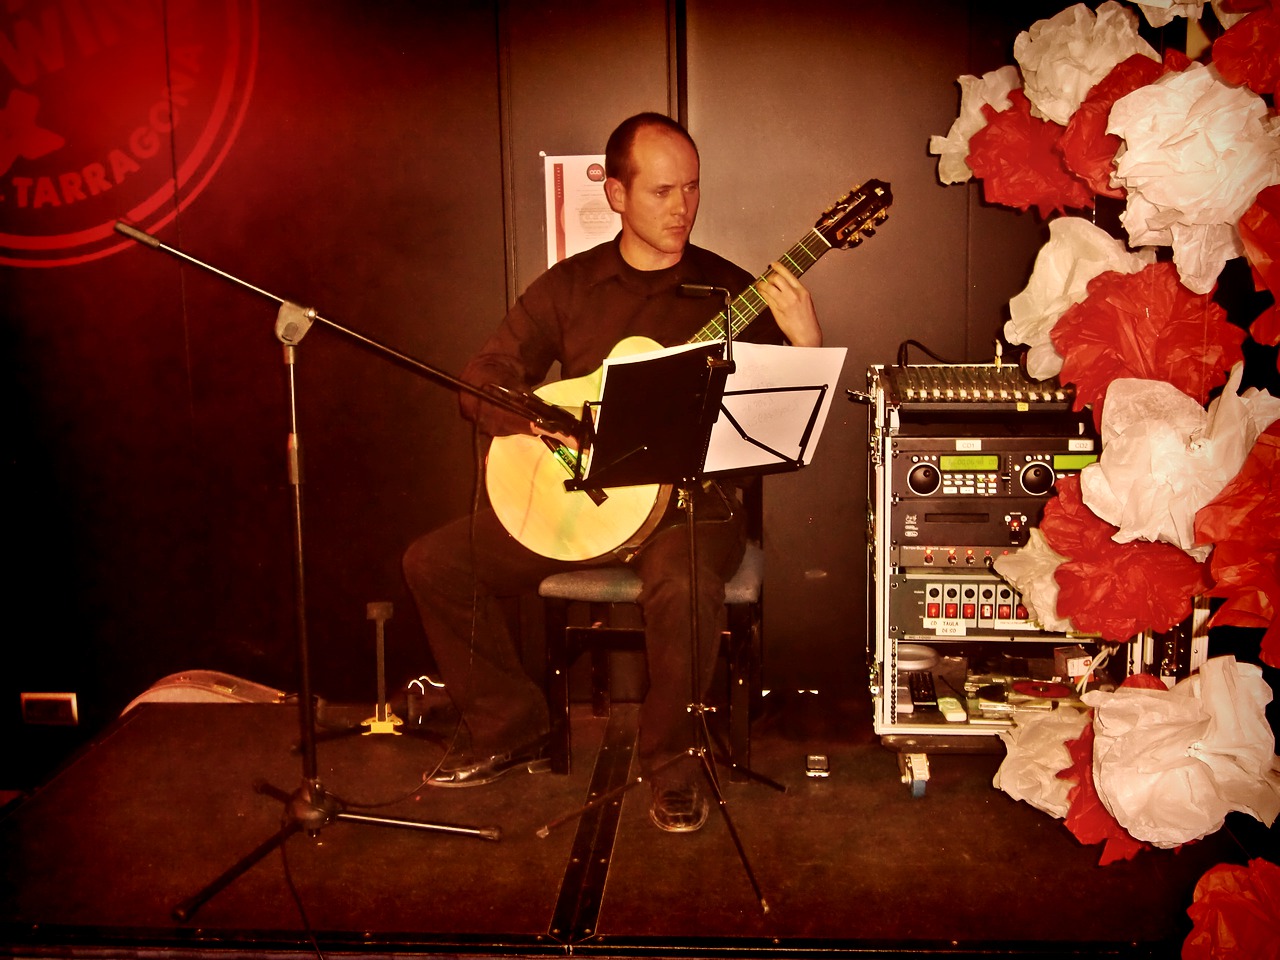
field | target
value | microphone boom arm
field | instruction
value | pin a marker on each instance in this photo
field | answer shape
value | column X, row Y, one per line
column 293, row 322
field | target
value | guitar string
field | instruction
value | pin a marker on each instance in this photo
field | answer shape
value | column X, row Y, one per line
column 748, row 305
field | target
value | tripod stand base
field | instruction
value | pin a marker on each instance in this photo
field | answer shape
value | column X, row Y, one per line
column 383, row 722
column 310, row 808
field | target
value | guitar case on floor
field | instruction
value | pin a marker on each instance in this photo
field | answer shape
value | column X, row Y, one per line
column 206, row 686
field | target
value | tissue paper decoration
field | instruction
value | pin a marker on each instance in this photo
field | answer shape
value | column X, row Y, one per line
column 1088, row 820
column 1018, row 160
column 1249, row 52
column 1160, row 13
column 1148, row 326
column 992, row 90
column 1077, row 252
column 1031, row 570
column 1243, row 524
column 1110, row 588
column 1035, row 753
column 1063, row 57
column 1260, row 233
column 1087, row 149
column 1169, row 765
column 1235, row 913
column 1196, row 153
column 1164, row 457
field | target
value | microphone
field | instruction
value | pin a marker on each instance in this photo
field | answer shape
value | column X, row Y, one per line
column 701, row 290
column 548, row 415
column 706, row 290
column 134, row 233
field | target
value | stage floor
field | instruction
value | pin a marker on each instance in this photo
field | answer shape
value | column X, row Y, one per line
column 97, row 859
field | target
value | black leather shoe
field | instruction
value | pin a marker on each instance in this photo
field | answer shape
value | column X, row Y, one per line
column 472, row 770
column 679, row 809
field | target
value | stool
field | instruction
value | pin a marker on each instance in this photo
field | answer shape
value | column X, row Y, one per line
column 604, row 587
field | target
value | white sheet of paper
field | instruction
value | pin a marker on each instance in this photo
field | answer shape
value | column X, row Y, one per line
column 776, row 418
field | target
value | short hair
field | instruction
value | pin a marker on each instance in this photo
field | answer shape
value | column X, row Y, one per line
column 618, row 161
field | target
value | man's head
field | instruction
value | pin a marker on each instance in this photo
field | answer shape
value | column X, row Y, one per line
column 618, row 161
column 652, row 170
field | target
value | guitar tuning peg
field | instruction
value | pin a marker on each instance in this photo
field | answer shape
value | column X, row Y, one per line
column 868, row 231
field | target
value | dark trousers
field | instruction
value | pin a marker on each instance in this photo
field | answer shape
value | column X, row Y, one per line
column 458, row 574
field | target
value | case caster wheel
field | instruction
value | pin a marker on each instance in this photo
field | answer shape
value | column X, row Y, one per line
column 915, row 772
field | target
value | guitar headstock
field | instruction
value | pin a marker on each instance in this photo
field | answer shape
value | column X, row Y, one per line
column 855, row 216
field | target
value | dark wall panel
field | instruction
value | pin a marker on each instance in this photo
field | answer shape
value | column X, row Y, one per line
column 148, row 394
column 789, row 113
column 568, row 79
column 366, row 184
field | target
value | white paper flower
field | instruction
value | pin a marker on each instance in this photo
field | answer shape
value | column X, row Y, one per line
column 1159, row 13
column 1035, row 753
column 1030, row 571
column 1077, row 252
column 992, row 90
column 1164, row 456
column 1169, row 765
column 1196, row 153
column 1063, row 57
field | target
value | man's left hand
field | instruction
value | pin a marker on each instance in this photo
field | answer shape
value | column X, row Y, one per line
column 792, row 306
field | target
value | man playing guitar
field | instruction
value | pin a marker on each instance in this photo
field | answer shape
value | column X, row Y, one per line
column 573, row 315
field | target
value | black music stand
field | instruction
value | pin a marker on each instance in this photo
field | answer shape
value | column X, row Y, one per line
column 654, row 424
column 311, row 807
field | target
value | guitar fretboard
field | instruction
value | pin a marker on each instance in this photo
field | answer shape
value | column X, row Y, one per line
column 748, row 305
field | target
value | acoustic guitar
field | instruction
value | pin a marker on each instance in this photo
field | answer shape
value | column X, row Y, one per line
column 525, row 475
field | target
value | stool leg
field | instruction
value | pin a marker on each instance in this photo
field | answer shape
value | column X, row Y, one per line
column 739, row 651
column 556, row 618
column 601, row 692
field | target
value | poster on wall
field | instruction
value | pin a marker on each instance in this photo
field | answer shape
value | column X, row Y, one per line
column 578, row 215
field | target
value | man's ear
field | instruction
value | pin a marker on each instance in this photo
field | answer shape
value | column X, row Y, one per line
column 616, row 194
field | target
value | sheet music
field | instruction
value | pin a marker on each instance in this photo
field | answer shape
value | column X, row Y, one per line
column 775, row 419
column 792, row 379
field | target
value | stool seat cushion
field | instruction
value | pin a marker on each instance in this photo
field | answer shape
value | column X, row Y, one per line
column 620, row 584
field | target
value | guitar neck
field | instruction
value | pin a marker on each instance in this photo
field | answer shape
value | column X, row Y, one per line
column 748, row 305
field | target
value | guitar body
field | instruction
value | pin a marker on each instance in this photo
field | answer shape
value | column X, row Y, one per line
column 525, row 479
column 525, row 482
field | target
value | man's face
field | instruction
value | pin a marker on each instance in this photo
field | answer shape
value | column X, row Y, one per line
column 660, row 206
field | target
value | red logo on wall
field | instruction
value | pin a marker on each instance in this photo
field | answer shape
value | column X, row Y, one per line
column 114, row 110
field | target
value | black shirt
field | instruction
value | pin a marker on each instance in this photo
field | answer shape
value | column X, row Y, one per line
column 578, row 310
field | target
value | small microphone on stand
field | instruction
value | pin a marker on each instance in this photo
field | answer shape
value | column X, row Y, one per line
column 700, row 290
column 706, row 290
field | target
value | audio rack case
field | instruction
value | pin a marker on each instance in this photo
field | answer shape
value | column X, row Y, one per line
column 962, row 460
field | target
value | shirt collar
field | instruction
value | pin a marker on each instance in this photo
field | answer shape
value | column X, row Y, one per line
column 611, row 265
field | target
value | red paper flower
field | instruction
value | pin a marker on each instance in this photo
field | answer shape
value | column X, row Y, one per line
column 1260, row 231
column 1087, row 818
column 1017, row 158
column 1116, row 590
column 1235, row 913
column 1249, row 53
column 1087, row 149
column 1071, row 528
column 1145, row 325
column 1243, row 523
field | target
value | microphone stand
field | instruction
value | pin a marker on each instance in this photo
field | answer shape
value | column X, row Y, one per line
column 311, row 807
